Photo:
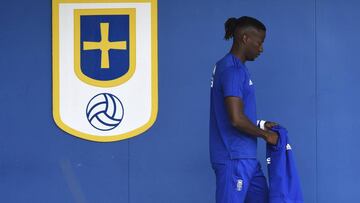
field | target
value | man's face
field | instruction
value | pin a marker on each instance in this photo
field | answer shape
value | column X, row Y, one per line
column 254, row 44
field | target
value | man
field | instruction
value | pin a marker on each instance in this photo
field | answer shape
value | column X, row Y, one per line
column 233, row 121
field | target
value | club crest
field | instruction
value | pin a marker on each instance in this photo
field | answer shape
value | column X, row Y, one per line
column 104, row 68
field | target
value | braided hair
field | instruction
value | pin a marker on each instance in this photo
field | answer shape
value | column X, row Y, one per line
column 232, row 24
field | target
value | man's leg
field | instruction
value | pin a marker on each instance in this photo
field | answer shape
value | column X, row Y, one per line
column 258, row 191
column 233, row 180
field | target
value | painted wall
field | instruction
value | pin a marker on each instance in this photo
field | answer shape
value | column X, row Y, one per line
column 307, row 79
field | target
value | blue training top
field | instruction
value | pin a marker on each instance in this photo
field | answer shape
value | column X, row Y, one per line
column 230, row 78
column 284, row 182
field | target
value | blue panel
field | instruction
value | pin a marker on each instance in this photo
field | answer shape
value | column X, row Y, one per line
column 285, row 78
column 38, row 162
column 339, row 99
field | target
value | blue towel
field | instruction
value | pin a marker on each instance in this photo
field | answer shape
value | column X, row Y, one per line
column 284, row 182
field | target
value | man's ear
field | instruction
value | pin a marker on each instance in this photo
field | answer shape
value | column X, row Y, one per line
column 244, row 38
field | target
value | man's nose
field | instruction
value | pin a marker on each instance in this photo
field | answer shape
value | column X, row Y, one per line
column 261, row 49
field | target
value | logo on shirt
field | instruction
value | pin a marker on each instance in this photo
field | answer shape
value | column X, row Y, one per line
column 288, row 147
column 268, row 160
column 212, row 77
column 239, row 185
column 105, row 67
column 250, row 82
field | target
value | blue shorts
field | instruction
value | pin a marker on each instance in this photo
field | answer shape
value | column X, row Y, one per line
column 240, row 180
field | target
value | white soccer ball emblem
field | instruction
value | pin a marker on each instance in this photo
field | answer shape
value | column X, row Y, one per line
column 104, row 111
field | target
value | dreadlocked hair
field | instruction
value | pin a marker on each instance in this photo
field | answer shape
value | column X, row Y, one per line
column 232, row 24
column 230, row 27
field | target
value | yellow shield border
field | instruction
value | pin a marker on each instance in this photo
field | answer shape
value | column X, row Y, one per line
column 55, row 73
column 111, row 83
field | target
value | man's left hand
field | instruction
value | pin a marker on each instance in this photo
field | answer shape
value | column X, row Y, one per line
column 269, row 125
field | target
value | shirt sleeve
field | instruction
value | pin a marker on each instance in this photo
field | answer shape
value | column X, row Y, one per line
column 232, row 82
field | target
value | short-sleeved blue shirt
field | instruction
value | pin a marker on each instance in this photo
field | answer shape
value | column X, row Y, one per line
column 231, row 78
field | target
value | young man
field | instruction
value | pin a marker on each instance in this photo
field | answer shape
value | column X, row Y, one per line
column 233, row 122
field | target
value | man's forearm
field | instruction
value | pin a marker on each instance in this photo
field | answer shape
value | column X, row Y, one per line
column 244, row 125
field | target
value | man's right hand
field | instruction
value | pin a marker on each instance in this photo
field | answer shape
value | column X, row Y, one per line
column 271, row 137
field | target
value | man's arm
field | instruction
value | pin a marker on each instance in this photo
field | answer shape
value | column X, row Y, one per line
column 265, row 125
column 240, row 121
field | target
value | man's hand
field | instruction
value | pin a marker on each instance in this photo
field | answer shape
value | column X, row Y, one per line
column 269, row 125
column 271, row 137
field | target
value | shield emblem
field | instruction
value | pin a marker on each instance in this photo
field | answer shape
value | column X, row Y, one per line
column 104, row 68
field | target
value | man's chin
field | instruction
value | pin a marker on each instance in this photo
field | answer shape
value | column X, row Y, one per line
column 253, row 59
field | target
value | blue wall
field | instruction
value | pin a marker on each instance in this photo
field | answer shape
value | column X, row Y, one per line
column 306, row 79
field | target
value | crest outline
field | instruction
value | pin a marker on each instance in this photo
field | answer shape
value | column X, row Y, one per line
column 56, row 78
